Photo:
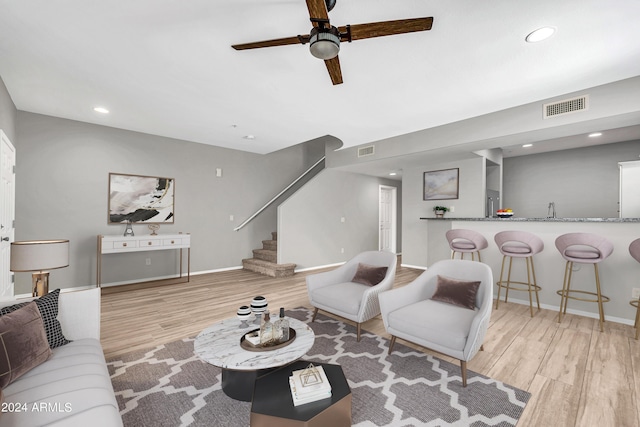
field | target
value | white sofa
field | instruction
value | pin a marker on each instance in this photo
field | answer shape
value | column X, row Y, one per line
column 73, row 387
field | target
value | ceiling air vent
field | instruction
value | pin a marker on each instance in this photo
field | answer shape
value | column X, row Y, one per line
column 567, row 106
column 366, row 151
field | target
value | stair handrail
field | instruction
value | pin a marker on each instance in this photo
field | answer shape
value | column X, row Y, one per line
column 266, row 205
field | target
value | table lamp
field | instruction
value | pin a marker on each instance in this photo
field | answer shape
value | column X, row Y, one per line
column 39, row 256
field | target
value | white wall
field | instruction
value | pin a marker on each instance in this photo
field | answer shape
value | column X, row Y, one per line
column 310, row 231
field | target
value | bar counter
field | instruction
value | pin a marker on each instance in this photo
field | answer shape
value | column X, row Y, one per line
column 619, row 273
column 518, row 219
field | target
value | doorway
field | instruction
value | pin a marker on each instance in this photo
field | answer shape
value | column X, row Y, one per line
column 388, row 218
column 7, row 213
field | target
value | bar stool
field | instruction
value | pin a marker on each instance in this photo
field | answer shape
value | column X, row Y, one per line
column 519, row 244
column 466, row 241
column 634, row 250
column 583, row 248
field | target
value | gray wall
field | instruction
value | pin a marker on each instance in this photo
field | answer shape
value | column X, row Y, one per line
column 470, row 204
column 8, row 114
column 310, row 231
column 583, row 182
column 62, row 184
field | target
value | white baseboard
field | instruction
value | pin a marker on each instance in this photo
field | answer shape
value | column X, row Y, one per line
column 417, row 267
column 318, row 267
column 577, row 312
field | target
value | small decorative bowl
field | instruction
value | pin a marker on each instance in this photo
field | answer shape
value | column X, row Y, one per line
column 504, row 214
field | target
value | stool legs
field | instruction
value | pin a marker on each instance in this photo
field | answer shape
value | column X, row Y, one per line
column 636, row 304
column 600, row 307
column 566, row 290
column 531, row 286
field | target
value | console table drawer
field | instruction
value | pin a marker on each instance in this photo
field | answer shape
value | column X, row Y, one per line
column 150, row 243
column 172, row 242
column 122, row 244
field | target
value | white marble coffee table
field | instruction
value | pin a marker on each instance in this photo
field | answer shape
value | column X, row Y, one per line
column 219, row 345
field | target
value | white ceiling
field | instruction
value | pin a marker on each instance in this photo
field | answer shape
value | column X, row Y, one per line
column 165, row 67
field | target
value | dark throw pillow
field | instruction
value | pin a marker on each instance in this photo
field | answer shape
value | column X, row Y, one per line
column 48, row 306
column 23, row 343
column 456, row 292
column 369, row 274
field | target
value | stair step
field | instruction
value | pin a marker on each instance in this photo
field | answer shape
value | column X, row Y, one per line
column 274, row 235
column 266, row 255
column 270, row 245
column 268, row 268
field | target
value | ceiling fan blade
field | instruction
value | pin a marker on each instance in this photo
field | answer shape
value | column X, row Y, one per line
column 317, row 10
column 333, row 67
column 275, row 42
column 387, row 28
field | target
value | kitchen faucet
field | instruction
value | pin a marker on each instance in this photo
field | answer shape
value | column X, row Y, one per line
column 551, row 211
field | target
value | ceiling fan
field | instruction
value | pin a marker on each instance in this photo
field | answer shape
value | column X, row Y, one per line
column 324, row 39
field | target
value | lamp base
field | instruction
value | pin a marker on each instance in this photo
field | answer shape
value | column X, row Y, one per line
column 40, row 283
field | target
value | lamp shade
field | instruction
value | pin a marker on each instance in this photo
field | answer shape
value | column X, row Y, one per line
column 39, row 255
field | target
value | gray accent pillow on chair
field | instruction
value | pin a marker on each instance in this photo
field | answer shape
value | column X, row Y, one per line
column 369, row 275
column 456, row 292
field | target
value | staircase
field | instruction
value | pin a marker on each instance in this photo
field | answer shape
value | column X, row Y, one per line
column 265, row 260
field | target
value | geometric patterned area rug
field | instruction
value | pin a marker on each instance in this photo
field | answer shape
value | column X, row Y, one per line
column 170, row 386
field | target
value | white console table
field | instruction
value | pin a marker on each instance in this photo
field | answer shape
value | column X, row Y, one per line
column 127, row 244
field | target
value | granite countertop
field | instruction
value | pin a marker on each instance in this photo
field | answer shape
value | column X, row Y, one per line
column 516, row 219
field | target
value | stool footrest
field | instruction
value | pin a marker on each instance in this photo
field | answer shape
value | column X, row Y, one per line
column 525, row 286
column 567, row 294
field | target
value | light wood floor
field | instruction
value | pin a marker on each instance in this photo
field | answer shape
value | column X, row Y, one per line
column 577, row 375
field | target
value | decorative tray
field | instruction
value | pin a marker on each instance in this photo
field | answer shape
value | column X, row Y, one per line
column 250, row 347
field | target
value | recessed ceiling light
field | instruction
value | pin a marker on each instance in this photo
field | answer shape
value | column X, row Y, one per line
column 527, row 145
column 392, row 174
column 595, row 134
column 249, row 137
column 101, row 110
column 540, row 34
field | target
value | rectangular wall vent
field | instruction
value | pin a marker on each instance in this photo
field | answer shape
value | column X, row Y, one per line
column 366, row 151
column 567, row 106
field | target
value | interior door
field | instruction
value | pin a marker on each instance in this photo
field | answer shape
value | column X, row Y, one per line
column 387, row 216
column 7, row 213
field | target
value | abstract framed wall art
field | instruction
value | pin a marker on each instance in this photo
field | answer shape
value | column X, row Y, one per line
column 136, row 198
column 441, row 184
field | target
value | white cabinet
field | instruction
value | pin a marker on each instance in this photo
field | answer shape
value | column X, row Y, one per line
column 127, row 244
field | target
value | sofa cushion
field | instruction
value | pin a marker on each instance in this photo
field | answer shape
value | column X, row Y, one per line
column 456, row 292
column 345, row 297
column 23, row 343
column 48, row 306
column 434, row 322
column 369, row 275
column 74, row 382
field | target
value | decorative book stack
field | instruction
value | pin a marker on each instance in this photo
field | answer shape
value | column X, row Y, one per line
column 308, row 385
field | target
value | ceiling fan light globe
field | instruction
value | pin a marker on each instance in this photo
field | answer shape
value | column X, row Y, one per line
column 324, row 43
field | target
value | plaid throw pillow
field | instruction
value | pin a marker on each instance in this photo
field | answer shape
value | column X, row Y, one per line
column 48, row 307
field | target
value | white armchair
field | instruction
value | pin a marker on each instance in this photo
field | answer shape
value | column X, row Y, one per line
column 335, row 292
column 410, row 313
